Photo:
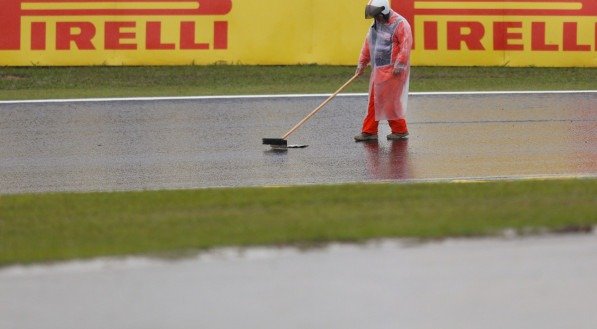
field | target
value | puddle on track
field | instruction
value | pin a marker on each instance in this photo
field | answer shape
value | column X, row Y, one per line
column 532, row 282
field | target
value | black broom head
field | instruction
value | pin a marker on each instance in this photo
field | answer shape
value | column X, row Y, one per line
column 275, row 141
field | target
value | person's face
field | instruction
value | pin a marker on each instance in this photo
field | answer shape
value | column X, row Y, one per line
column 380, row 19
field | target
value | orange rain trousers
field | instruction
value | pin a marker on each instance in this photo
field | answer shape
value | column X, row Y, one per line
column 370, row 125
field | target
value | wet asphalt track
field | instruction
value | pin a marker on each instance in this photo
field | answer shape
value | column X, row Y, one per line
column 171, row 144
column 533, row 283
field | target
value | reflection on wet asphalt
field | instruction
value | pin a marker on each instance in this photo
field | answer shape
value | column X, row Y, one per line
column 124, row 145
column 539, row 282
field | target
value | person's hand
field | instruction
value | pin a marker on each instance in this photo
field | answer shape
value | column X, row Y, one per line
column 360, row 70
column 398, row 69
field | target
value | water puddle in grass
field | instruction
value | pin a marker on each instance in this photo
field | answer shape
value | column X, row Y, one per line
column 532, row 282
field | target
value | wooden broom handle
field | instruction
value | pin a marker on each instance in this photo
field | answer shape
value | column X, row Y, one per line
column 319, row 107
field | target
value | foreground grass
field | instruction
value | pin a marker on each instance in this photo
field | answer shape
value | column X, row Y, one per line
column 64, row 226
column 103, row 81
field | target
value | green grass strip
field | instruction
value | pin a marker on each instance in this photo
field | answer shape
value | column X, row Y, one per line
column 105, row 81
column 62, row 226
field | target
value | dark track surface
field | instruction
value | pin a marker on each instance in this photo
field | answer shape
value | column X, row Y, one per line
column 133, row 145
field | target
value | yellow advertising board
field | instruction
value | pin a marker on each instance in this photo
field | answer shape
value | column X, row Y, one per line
column 494, row 32
column 149, row 32
column 182, row 32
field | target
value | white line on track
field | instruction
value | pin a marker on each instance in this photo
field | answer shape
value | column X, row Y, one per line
column 460, row 180
column 453, row 180
column 177, row 98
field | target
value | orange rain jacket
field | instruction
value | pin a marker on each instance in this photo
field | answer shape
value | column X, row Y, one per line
column 387, row 46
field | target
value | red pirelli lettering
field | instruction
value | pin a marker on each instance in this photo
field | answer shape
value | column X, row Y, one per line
column 79, row 33
column 154, row 37
column 502, row 34
column 117, row 35
column 38, row 36
column 197, row 8
column 472, row 39
column 538, row 37
column 10, row 25
column 187, row 37
column 430, row 35
column 220, row 35
column 508, row 33
column 114, row 35
column 571, row 38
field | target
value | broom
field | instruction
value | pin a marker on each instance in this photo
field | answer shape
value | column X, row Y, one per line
column 282, row 142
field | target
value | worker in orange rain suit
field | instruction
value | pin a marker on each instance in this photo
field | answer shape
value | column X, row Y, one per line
column 387, row 47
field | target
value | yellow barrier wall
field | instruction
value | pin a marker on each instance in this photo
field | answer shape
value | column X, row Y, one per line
column 494, row 32
column 168, row 32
